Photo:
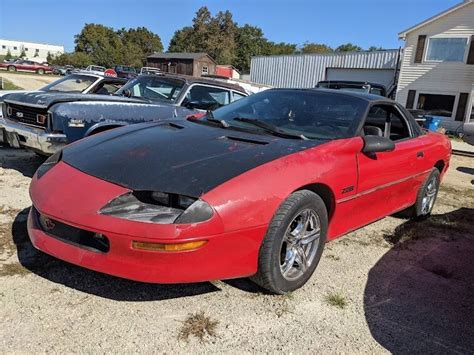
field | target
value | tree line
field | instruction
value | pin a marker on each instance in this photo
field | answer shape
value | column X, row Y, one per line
column 219, row 36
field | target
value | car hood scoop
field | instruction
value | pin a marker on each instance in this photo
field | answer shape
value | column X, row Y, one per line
column 190, row 160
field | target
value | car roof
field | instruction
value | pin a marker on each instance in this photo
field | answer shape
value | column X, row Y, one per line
column 194, row 80
column 360, row 95
column 95, row 75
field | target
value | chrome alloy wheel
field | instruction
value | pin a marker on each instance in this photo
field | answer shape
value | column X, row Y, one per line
column 429, row 196
column 300, row 244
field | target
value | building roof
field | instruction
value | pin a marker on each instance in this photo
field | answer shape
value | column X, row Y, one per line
column 176, row 55
column 403, row 34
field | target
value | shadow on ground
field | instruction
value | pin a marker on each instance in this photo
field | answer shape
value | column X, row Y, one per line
column 419, row 297
column 20, row 160
column 90, row 281
column 465, row 170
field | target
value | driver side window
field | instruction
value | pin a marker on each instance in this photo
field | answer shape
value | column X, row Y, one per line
column 387, row 121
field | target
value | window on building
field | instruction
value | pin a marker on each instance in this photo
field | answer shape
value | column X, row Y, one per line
column 4, row 47
column 37, row 50
column 205, row 70
column 446, row 49
column 15, row 48
column 439, row 105
column 26, row 49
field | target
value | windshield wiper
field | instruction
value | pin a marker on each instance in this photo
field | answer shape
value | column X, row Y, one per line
column 270, row 128
column 210, row 118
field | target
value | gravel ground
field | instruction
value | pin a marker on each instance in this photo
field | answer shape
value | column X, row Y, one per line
column 28, row 81
column 393, row 286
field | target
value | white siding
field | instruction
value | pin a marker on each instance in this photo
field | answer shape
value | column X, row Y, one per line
column 443, row 77
column 31, row 48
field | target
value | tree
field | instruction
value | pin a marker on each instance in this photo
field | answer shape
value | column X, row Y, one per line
column 36, row 54
column 348, row 47
column 142, row 42
column 23, row 53
column 8, row 56
column 49, row 57
column 249, row 42
column 315, row 48
column 280, row 48
column 102, row 44
column 374, row 48
column 76, row 59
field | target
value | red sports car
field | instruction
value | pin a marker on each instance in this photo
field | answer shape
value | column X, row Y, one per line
column 255, row 188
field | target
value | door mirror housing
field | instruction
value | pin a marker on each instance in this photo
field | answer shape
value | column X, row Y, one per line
column 375, row 144
column 127, row 93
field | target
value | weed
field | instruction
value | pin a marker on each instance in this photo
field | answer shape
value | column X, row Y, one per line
column 336, row 300
column 198, row 325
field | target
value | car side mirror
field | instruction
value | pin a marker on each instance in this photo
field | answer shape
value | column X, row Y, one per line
column 127, row 93
column 375, row 144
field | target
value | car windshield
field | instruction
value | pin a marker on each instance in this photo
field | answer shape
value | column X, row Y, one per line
column 300, row 113
column 153, row 88
column 71, row 83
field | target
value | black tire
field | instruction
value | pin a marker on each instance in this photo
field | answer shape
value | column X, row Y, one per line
column 11, row 68
column 40, row 71
column 269, row 274
column 418, row 209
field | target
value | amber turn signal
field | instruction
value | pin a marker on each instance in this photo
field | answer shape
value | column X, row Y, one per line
column 168, row 247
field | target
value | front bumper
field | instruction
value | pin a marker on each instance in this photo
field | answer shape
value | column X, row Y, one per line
column 22, row 136
column 71, row 197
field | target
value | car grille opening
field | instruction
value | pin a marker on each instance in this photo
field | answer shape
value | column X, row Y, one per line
column 28, row 115
column 79, row 237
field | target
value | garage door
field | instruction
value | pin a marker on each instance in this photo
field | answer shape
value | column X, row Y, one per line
column 378, row 76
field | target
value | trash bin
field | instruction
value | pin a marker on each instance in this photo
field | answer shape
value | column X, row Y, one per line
column 432, row 123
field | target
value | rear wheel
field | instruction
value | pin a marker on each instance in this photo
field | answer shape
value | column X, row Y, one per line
column 427, row 195
column 11, row 68
column 294, row 243
column 40, row 71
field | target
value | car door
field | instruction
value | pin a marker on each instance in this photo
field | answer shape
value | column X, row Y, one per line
column 389, row 181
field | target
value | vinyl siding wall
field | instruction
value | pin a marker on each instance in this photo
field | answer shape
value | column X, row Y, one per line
column 438, row 77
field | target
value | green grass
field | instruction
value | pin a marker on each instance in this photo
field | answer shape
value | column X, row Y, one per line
column 336, row 300
column 8, row 85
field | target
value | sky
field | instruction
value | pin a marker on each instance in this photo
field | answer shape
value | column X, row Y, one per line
column 333, row 22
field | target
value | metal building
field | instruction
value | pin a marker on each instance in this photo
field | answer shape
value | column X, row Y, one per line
column 306, row 70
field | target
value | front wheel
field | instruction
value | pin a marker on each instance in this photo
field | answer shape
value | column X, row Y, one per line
column 40, row 71
column 294, row 243
column 11, row 68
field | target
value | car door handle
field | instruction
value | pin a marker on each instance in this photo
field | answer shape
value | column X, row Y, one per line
column 420, row 154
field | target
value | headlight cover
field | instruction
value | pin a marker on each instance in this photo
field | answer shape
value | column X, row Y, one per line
column 49, row 164
column 158, row 207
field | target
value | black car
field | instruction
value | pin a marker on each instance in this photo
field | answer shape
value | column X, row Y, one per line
column 124, row 71
column 358, row 86
column 46, row 121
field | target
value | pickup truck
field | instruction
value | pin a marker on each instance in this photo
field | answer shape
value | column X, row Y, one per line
column 46, row 122
column 360, row 86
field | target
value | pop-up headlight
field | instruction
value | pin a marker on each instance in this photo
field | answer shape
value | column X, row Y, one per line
column 49, row 164
column 158, row 207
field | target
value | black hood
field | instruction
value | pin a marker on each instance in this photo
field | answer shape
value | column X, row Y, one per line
column 46, row 99
column 176, row 156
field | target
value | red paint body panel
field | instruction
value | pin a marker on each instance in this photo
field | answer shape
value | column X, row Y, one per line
column 363, row 189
